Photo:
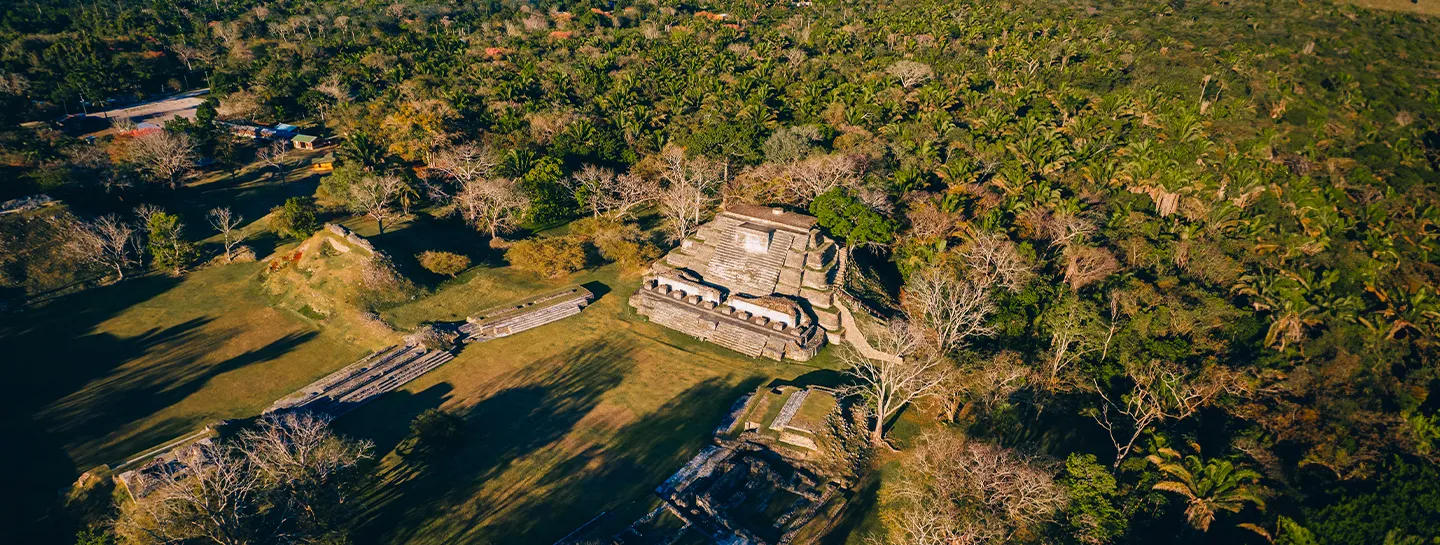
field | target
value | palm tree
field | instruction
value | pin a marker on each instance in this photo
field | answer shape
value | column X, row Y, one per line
column 1208, row 486
column 363, row 149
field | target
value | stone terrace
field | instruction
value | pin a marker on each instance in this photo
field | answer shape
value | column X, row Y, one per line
column 756, row 280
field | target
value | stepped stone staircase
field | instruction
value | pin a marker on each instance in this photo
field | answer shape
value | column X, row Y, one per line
column 746, row 272
column 739, row 340
column 392, row 367
column 506, row 321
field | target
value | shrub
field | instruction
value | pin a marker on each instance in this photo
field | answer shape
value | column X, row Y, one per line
column 617, row 241
column 297, row 218
column 436, row 429
column 550, row 257
column 446, row 263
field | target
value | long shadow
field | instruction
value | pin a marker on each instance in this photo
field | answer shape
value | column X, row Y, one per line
column 828, row 378
column 131, row 394
column 639, row 458
column 88, row 397
column 426, row 233
column 537, row 406
column 386, row 420
column 50, row 351
column 251, row 195
column 854, row 517
column 598, row 288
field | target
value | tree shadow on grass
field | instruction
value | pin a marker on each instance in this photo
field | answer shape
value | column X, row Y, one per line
column 617, row 476
column 176, row 368
column 386, row 420
column 426, row 233
column 91, row 396
column 537, row 406
column 251, row 194
column 598, row 288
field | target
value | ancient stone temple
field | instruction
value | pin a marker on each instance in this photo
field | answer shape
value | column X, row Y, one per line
column 756, row 280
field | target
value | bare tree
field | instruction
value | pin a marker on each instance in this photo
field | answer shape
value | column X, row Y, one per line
column 606, row 193
column 960, row 492
column 273, row 155
column 689, row 190
column 910, row 73
column 891, row 383
column 375, row 196
column 987, row 385
column 166, row 157
column 227, row 223
column 1085, row 265
column 189, row 54
column 107, row 241
column 811, row 177
column 285, row 481
column 300, row 451
column 1066, row 229
column 145, row 211
column 333, row 87
column 1072, row 325
column 928, row 222
column 241, row 104
column 947, row 308
column 995, row 260
column 491, row 204
column 1161, row 391
column 465, row 163
column 212, row 494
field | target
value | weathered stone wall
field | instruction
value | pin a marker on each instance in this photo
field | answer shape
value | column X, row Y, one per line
column 748, row 252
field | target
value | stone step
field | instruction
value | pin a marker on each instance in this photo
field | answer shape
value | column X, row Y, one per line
column 370, row 373
column 739, row 340
column 527, row 321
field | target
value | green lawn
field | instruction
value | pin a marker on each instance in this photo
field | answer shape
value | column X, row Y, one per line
column 576, row 418
column 101, row 375
column 564, row 422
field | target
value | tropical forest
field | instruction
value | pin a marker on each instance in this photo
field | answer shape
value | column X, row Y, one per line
column 1065, row 272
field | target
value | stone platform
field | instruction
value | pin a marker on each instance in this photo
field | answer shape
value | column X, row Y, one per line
column 756, row 280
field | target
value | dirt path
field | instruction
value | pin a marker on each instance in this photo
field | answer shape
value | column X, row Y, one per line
column 853, row 334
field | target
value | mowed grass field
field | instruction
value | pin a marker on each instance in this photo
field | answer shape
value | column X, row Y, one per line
column 1422, row 7
column 564, row 422
column 101, row 375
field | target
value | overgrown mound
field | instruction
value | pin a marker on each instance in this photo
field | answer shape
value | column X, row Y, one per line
column 337, row 277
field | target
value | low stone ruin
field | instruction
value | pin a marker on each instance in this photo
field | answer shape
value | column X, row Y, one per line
column 169, row 466
column 745, row 494
column 753, row 486
column 511, row 319
column 390, row 368
column 351, row 237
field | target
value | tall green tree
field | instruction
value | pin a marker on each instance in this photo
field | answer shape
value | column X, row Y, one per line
column 850, row 220
column 168, row 247
column 297, row 218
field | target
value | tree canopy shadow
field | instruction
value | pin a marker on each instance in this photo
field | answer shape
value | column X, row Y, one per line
column 386, row 420
column 91, row 394
column 639, row 457
column 598, row 288
column 422, row 233
column 532, row 407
